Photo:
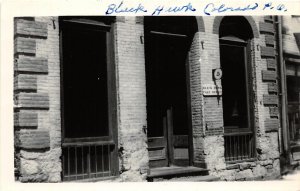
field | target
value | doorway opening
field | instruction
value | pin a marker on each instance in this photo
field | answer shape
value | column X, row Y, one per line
column 167, row 43
column 87, row 73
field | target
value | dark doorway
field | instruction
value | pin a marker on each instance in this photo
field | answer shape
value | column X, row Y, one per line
column 87, row 73
column 85, row 82
column 167, row 42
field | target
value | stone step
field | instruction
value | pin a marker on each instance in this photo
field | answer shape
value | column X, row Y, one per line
column 206, row 178
column 167, row 173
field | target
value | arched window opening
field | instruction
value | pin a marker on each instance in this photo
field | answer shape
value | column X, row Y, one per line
column 235, row 34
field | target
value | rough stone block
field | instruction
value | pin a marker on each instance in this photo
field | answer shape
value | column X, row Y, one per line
column 26, row 119
column 270, row 99
column 32, row 100
column 33, row 139
column 31, row 64
column 31, row 28
column 259, row 171
column 271, row 125
column 267, row 51
column 25, row 82
column 245, row 165
column 25, row 45
column 41, row 177
column 233, row 166
column 266, row 162
column 29, row 167
column 244, row 175
column 269, row 75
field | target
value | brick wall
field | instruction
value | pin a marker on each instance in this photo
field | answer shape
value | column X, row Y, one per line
column 196, row 100
column 37, row 99
column 265, row 98
column 130, row 64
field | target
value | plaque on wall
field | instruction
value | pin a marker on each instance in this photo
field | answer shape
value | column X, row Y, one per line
column 212, row 90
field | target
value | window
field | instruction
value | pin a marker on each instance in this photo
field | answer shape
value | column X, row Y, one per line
column 88, row 99
column 235, row 35
column 293, row 99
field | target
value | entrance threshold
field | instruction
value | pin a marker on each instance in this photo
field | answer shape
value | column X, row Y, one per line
column 175, row 172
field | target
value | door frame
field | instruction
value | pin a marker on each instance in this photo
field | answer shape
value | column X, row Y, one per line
column 111, row 140
column 169, row 138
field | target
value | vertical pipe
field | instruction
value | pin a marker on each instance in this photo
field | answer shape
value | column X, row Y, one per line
column 283, row 111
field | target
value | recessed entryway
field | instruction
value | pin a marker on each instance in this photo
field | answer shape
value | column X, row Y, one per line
column 167, row 42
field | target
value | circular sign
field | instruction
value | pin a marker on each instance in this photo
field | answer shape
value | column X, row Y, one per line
column 217, row 73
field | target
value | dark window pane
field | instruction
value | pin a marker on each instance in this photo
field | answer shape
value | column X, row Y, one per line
column 234, row 86
column 85, row 82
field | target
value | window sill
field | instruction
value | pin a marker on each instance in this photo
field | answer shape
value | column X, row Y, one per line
column 93, row 179
column 240, row 161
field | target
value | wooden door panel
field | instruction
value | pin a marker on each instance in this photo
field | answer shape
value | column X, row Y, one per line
column 181, row 150
column 157, row 149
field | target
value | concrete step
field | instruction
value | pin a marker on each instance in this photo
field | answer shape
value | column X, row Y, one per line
column 176, row 173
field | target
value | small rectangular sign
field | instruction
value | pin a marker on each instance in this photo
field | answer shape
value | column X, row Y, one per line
column 211, row 90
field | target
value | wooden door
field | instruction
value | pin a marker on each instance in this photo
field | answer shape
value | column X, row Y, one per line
column 167, row 100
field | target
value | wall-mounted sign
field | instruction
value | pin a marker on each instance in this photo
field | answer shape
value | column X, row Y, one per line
column 211, row 90
column 217, row 74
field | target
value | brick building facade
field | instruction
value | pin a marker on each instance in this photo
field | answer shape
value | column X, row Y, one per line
column 155, row 108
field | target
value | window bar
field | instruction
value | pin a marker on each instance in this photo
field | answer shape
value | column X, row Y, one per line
column 242, row 147
column 234, row 148
column 230, row 154
column 102, row 161
column 238, row 148
column 68, row 162
column 89, row 162
column 96, row 160
column 250, row 147
column 231, row 145
column 82, row 161
column 76, row 163
column 245, row 146
column 108, row 157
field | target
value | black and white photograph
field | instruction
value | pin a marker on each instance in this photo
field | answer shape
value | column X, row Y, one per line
column 167, row 98
column 158, row 100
